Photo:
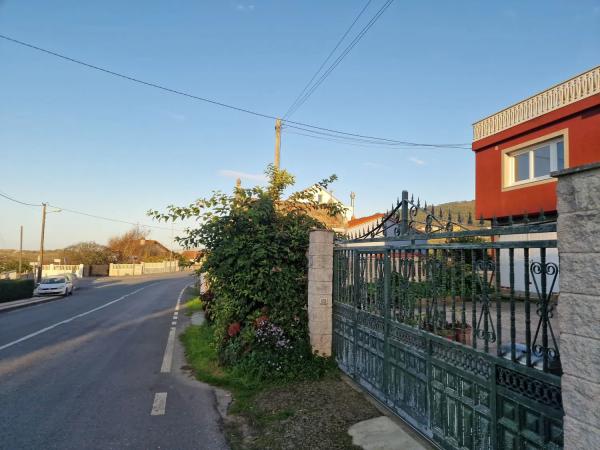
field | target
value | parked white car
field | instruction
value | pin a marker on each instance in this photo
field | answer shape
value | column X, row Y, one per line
column 55, row 285
column 73, row 278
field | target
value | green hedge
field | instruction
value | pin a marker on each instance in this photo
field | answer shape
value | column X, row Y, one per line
column 15, row 289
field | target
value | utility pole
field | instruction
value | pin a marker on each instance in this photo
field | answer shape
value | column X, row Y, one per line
column 39, row 274
column 20, row 250
column 277, row 142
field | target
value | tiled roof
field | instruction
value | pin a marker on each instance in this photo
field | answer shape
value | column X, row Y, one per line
column 360, row 220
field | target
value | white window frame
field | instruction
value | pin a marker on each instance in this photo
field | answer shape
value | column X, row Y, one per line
column 531, row 150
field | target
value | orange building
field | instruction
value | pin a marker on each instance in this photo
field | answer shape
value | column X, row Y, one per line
column 518, row 148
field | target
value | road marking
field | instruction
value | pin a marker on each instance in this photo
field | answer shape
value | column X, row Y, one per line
column 159, row 405
column 174, row 322
column 70, row 319
column 168, row 356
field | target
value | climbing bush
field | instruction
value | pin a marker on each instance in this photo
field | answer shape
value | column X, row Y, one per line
column 256, row 266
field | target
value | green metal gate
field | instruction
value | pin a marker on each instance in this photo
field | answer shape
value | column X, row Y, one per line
column 425, row 322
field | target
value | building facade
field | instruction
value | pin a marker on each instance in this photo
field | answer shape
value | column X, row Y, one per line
column 517, row 148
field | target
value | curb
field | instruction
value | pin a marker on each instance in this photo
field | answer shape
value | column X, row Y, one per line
column 25, row 305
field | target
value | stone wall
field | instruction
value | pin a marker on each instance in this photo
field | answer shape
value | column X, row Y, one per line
column 579, row 303
column 320, row 284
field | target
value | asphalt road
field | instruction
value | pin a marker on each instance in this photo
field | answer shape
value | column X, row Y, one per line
column 95, row 371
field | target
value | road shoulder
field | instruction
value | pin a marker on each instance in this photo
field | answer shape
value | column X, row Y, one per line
column 24, row 303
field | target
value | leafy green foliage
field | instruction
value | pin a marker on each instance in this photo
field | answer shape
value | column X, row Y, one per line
column 256, row 266
column 15, row 289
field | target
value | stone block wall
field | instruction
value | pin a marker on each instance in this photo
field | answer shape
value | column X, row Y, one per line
column 320, row 285
column 579, row 303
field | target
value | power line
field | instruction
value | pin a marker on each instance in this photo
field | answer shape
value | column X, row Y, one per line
column 195, row 97
column 347, row 50
column 114, row 220
column 73, row 211
column 288, row 113
column 18, row 201
column 357, row 143
column 136, row 80
column 367, row 140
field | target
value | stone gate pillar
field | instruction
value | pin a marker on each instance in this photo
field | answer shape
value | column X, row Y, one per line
column 320, row 285
column 578, row 194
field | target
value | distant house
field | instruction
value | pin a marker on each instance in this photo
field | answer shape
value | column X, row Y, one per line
column 192, row 255
column 322, row 196
column 360, row 225
column 150, row 249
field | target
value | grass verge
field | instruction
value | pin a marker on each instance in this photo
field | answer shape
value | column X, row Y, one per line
column 193, row 305
column 301, row 414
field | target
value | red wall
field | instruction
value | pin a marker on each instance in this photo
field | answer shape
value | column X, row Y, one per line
column 582, row 119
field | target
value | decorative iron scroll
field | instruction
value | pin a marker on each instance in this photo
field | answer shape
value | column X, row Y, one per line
column 403, row 218
column 370, row 321
column 545, row 393
column 434, row 222
column 407, row 338
column 545, row 310
column 467, row 361
column 485, row 325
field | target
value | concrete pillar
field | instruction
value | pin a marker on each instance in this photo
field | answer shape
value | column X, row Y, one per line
column 578, row 194
column 320, row 285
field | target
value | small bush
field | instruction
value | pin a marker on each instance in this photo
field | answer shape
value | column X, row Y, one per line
column 15, row 289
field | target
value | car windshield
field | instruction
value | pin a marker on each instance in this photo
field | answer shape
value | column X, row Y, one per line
column 55, row 280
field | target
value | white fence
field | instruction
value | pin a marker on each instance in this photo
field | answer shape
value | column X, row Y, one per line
column 121, row 270
column 11, row 275
column 59, row 269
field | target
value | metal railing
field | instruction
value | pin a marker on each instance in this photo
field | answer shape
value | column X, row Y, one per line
column 498, row 296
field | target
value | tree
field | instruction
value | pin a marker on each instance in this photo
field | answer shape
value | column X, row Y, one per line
column 129, row 244
column 88, row 253
column 256, row 246
column 10, row 263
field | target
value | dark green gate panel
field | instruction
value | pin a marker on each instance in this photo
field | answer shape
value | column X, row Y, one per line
column 458, row 394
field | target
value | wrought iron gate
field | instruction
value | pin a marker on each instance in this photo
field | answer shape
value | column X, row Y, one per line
column 425, row 321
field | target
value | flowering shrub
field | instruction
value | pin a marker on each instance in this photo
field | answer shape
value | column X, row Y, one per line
column 256, row 266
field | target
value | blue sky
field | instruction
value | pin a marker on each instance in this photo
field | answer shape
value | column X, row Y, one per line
column 425, row 72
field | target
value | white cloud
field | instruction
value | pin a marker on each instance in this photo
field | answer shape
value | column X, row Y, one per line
column 416, row 160
column 244, row 8
column 243, row 175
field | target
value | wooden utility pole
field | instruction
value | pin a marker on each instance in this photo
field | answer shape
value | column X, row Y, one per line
column 20, row 250
column 39, row 274
column 277, row 142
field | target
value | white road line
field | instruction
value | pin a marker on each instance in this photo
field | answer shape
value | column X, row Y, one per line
column 43, row 330
column 159, row 405
column 174, row 322
column 168, row 356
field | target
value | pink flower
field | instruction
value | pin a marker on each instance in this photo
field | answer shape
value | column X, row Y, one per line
column 234, row 329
